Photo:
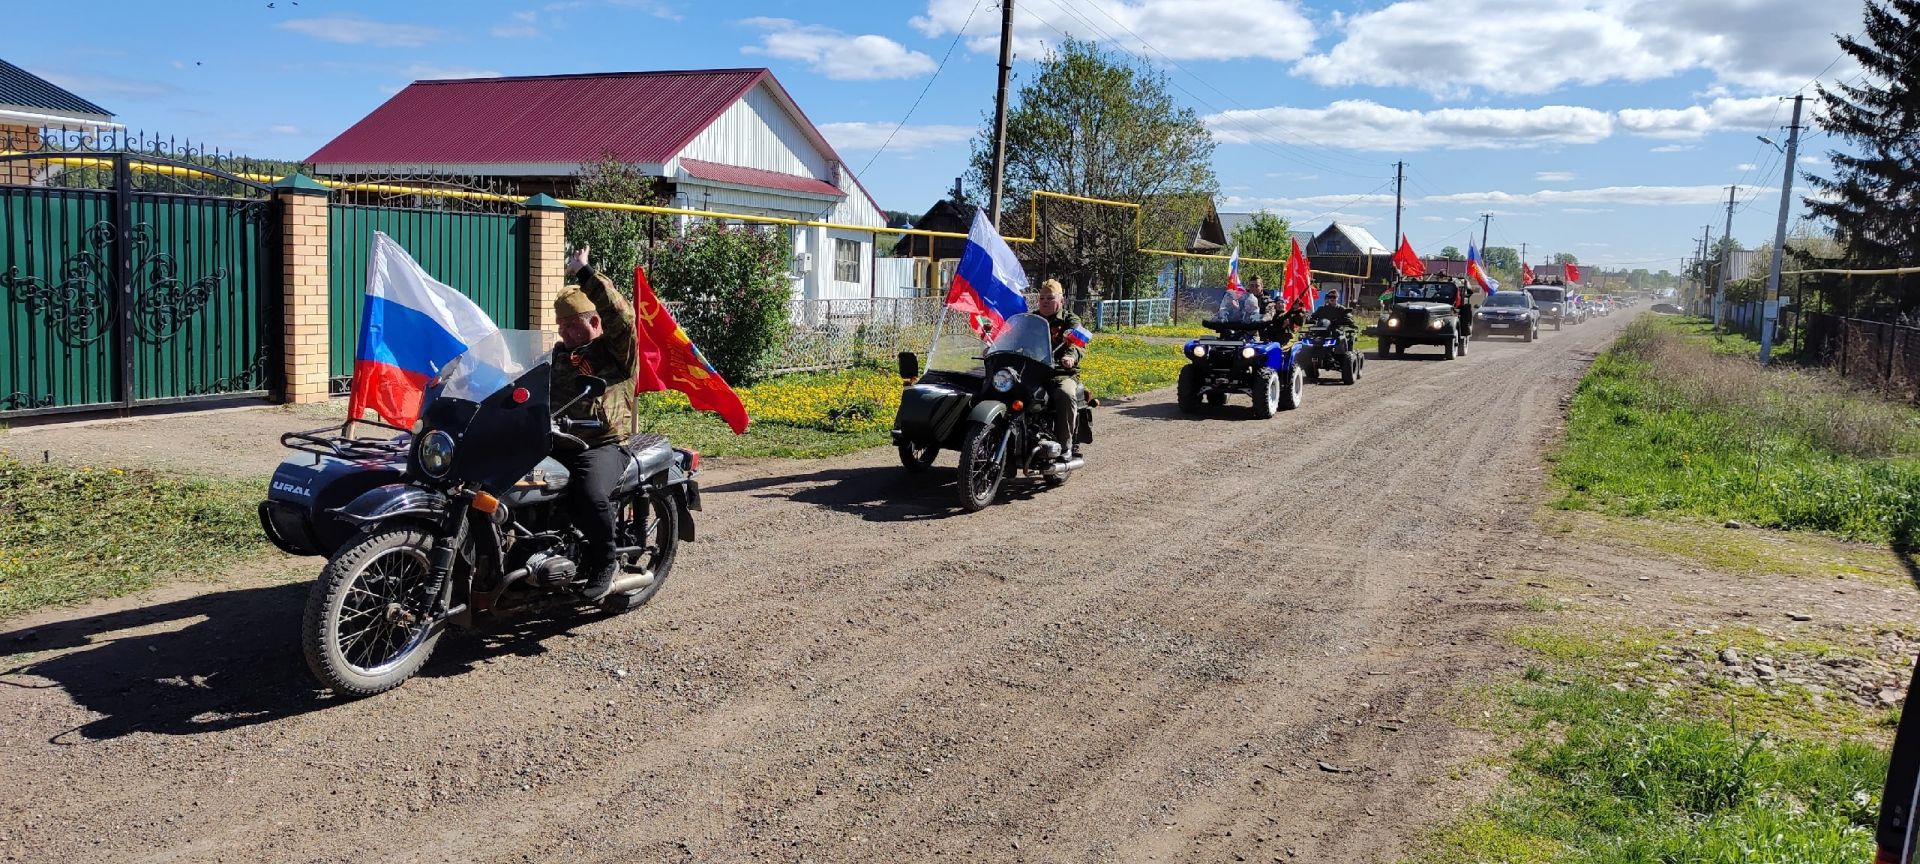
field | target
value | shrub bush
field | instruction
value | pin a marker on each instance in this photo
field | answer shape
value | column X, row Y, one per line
column 731, row 289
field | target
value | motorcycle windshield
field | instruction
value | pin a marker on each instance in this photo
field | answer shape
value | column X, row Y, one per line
column 1027, row 335
column 494, row 401
column 489, row 365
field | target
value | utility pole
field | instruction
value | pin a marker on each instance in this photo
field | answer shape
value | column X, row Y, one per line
column 1523, row 257
column 1486, row 219
column 1706, row 242
column 1771, row 311
column 1000, row 110
column 1720, row 279
column 1399, row 179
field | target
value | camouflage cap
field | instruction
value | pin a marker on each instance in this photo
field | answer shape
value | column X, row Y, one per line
column 575, row 302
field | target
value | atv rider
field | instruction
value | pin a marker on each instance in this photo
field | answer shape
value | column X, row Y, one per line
column 1239, row 306
column 596, row 338
column 1064, row 392
column 1340, row 317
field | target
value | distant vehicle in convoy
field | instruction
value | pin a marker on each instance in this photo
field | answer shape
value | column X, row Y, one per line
column 1430, row 310
column 1508, row 313
column 1554, row 305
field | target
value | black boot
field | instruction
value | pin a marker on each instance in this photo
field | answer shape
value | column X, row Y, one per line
column 600, row 580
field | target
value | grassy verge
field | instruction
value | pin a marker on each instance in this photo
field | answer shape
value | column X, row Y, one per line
column 826, row 414
column 71, row 534
column 1649, row 746
column 1672, row 422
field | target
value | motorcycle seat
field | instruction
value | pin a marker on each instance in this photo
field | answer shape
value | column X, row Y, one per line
column 651, row 454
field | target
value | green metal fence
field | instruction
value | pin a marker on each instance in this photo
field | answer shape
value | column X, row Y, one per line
column 482, row 255
column 119, row 297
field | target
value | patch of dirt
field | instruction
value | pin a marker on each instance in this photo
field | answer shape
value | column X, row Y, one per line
column 1225, row 639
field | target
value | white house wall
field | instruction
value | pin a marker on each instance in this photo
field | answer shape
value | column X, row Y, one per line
column 757, row 133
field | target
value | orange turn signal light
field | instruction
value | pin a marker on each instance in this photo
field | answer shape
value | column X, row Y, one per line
column 485, row 503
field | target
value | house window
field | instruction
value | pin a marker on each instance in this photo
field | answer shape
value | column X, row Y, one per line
column 846, row 260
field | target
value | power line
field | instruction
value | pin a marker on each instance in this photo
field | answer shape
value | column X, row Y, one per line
column 924, row 90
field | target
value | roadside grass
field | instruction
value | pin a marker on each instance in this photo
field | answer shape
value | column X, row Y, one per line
column 1672, row 422
column 1616, row 761
column 830, row 413
column 70, row 534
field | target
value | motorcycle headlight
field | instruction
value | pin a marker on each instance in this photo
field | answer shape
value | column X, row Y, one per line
column 1248, row 353
column 1199, row 352
column 1393, row 322
column 1435, row 325
column 436, row 453
column 1004, row 380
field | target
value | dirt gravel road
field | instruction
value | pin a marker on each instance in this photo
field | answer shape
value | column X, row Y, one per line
column 1226, row 639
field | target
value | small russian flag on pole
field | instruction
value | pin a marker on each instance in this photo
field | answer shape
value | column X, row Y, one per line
column 1079, row 336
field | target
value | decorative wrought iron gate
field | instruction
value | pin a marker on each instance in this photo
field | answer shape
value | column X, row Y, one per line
column 129, row 279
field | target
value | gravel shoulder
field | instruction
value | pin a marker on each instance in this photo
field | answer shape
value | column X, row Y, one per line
column 1225, row 637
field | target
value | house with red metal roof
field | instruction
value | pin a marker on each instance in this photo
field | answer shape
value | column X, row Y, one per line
column 729, row 140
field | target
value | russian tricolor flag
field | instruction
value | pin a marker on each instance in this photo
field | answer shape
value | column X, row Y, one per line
column 1478, row 270
column 1079, row 336
column 411, row 327
column 989, row 285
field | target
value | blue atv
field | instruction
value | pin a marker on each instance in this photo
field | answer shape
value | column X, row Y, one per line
column 1247, row 357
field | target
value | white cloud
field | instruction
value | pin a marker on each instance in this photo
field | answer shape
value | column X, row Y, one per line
column 523, row 25
column 1586, row 210
column 869, row 136
column 1309, row 203
column 1674, row 148
column 285, row 129
column 837, row 55
column 434, row 72
column 1433, row 218
column 1652, row 196
column 360, row 31
column 1745, row 166
column 1155, row 29
column 1553, row 176
column 1359, row 124
column 1451, row 47
column 1695, row 121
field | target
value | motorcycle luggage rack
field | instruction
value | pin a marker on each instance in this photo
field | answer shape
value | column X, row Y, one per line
column 333, row 441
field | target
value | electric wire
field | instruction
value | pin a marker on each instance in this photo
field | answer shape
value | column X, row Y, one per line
column 924, row 90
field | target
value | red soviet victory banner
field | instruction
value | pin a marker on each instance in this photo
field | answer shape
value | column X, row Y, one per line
column 668, row 360
column 1405, row 261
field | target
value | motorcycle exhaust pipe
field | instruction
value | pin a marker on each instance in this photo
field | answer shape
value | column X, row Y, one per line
column 631, row 582
column 1056, row 469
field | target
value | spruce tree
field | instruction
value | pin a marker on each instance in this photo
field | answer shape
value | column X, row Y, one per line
column 1873, row 197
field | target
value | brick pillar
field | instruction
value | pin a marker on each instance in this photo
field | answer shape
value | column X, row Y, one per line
column 14, row 137
column 303, row 287
column 546, row 261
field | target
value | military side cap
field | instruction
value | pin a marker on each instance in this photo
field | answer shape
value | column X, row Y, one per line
column 572, row 303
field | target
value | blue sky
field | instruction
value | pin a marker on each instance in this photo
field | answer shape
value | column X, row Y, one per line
column 1605, row 128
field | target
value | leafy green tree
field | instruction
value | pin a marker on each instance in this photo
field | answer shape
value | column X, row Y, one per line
column 1094, row 124
column 1264, row 236
column 618, row 238
column 731, row 290
column 1452, row 253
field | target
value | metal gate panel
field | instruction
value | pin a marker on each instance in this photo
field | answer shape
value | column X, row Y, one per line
column 113, row 294
column 199, row 297
column 58, row 299
column 481, row 255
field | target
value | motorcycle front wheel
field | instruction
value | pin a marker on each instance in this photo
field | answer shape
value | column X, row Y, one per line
column 367, row 629
column 980, row 475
